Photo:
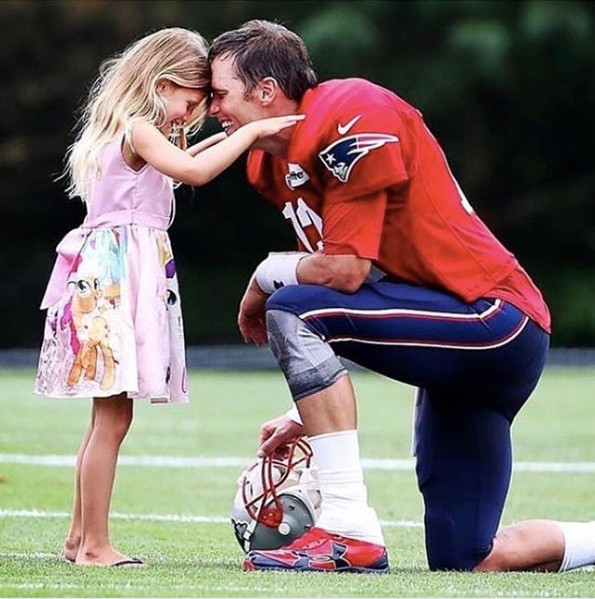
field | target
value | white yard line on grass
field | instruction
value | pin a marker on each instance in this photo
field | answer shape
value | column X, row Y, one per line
column 156, row 461
column 185, row 588
column 166, row 518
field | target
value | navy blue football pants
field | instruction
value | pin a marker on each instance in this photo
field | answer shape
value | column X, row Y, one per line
column 475, row 366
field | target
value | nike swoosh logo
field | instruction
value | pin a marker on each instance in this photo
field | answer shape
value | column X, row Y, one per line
column 342, row 129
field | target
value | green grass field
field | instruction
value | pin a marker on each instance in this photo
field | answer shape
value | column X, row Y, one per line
column 176, row 517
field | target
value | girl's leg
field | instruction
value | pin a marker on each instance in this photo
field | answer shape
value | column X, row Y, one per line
column 112, row 418
column 73, row 540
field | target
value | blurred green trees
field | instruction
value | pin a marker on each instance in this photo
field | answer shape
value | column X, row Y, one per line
column 507, row 87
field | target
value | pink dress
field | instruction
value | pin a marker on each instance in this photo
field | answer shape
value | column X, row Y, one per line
column 114, row 320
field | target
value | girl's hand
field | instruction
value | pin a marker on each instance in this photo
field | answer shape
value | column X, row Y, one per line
column 271, row 126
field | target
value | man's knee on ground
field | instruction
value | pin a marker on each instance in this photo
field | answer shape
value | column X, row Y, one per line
column 504, row 553
column 446, row 547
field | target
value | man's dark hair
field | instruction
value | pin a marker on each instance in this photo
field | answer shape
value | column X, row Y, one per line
column 263, row 49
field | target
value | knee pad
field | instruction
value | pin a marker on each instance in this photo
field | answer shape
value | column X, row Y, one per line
column 307, row 361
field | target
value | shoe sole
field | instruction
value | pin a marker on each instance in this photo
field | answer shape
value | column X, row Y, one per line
column 250, row 567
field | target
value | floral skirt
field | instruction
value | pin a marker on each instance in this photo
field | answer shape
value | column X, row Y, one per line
column 114, row 324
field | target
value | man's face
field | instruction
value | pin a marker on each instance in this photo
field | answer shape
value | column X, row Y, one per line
column 228, row 103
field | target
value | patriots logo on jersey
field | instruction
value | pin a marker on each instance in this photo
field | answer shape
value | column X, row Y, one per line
column 341, row 155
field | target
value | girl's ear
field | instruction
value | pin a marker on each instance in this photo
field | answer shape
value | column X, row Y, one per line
column 164, row 86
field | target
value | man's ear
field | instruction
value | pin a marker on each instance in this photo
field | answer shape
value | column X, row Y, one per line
column 268, row 89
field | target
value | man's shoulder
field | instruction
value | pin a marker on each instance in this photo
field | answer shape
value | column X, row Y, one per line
column 336, row 98
column 340, row 91
column 350, row 84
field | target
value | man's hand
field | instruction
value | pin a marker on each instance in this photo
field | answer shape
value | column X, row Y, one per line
column 251, row 318
column 276, row 433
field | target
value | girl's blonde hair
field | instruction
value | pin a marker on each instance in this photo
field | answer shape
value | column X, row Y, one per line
column 126, row 90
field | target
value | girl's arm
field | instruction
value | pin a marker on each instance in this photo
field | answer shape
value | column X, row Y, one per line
column 150, row 144
column 197, row 148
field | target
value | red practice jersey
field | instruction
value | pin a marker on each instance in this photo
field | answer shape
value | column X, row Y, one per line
column 365, row 176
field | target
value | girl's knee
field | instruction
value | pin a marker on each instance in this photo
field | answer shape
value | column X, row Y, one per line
column 113, row 416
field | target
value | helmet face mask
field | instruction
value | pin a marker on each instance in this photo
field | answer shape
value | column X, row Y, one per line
column 277, row 499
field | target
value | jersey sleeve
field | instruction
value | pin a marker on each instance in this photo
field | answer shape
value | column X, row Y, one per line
column 362, row 153
column 361, row 158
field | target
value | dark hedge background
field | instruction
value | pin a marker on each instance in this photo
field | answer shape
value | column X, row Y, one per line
column 507, row 87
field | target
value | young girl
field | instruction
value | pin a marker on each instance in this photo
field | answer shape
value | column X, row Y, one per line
column 114, row 326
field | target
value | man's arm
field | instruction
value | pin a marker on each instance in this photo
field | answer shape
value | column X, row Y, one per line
column 344, row 273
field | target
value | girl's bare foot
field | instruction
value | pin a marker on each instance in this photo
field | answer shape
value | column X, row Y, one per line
column 107, row 557
column 70, row 549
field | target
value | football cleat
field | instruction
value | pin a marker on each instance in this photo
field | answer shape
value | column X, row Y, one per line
column 277, row 498
column 321, row 551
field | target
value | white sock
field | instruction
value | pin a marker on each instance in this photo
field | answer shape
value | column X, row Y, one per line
column 579, row 545
column 344, row 505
